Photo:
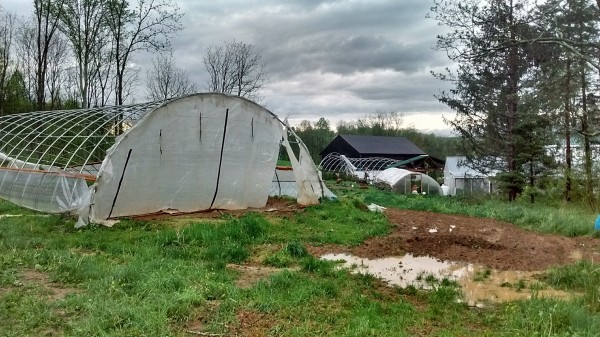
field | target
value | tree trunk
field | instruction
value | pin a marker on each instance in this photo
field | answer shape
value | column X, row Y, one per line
column 586, row 139
column 531, row 184
column 567, row 121
column 512, row 98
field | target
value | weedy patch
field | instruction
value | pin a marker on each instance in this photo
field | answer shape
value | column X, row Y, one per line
column 253, row 323
column 482, row 275
column 250, row 275
column 37, row 279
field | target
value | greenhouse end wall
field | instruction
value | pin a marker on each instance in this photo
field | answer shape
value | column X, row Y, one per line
column 196, row 153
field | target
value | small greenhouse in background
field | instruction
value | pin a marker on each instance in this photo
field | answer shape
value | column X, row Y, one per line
column 406, row 182
column 462, row 179
column 187, row 154
column 380, row 171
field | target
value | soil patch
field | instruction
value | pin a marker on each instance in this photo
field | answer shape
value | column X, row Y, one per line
column 32, row 277
column 253, row 324
column 275, row 206
column 249, row 275
column 489, row 242
column 201, row 319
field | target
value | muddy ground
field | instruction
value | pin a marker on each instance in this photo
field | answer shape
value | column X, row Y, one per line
column 489, row 242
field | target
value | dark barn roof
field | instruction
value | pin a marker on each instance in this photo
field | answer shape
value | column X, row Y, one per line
column 399, row 148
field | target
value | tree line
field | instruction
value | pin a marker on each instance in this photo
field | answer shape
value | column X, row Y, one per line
column 81, row 53
column 525, row 90
column 317, row 135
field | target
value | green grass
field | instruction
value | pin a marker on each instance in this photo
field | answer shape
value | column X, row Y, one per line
column 548, row 317
column 340, row 222
column 150, row 278
column 286, row 163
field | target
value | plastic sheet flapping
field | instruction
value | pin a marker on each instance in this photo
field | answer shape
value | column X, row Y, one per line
column 51, row 192
column 308, row 183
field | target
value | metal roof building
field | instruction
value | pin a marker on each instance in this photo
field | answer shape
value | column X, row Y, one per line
column 352, row 146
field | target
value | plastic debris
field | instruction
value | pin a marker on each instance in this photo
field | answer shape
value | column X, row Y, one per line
column 375, row 208
column 433, row 230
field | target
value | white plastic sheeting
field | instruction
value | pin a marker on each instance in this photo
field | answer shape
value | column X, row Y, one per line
column 284, row 184
column 193, row 153
column 405, row 182
column 43, row 191
column 45, row 155
column 309, row 185
column 196, row 153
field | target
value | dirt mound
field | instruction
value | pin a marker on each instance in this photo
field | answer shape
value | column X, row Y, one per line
column 489, row 242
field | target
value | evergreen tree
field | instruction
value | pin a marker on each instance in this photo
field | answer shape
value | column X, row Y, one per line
column 493, row 64
column 17, row 98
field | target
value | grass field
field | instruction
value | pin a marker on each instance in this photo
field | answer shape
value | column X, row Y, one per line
column 166, row 278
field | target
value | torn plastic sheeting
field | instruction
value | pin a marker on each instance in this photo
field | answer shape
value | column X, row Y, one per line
column 284, row 184
column 7, row 161
column 376, row 208
column 309, row 183
column 305, row 192
column 43, row 191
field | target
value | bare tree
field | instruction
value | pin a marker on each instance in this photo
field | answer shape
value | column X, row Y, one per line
column 46, row 16
column 102, row 86
column 146, row 26
column 235, row 68
column 56, row 72
column 40, row 50
column 7, row 27
column 165, row 80
column 83, row 23
column 25, row 53
column 219, row 64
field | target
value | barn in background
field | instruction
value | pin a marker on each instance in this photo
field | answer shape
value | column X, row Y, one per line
column 351, row 146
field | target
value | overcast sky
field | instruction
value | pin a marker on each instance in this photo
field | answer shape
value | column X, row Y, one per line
column 338, row 59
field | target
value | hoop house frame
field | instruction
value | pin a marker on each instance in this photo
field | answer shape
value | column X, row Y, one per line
column 362, row 168
column 198, row 152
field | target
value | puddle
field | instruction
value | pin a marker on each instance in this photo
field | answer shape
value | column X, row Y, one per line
column 402, row 271
column 480, row 285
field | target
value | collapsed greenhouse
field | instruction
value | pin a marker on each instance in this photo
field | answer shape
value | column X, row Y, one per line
column 360, row 168
column 380, row 171
column 194, row 153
